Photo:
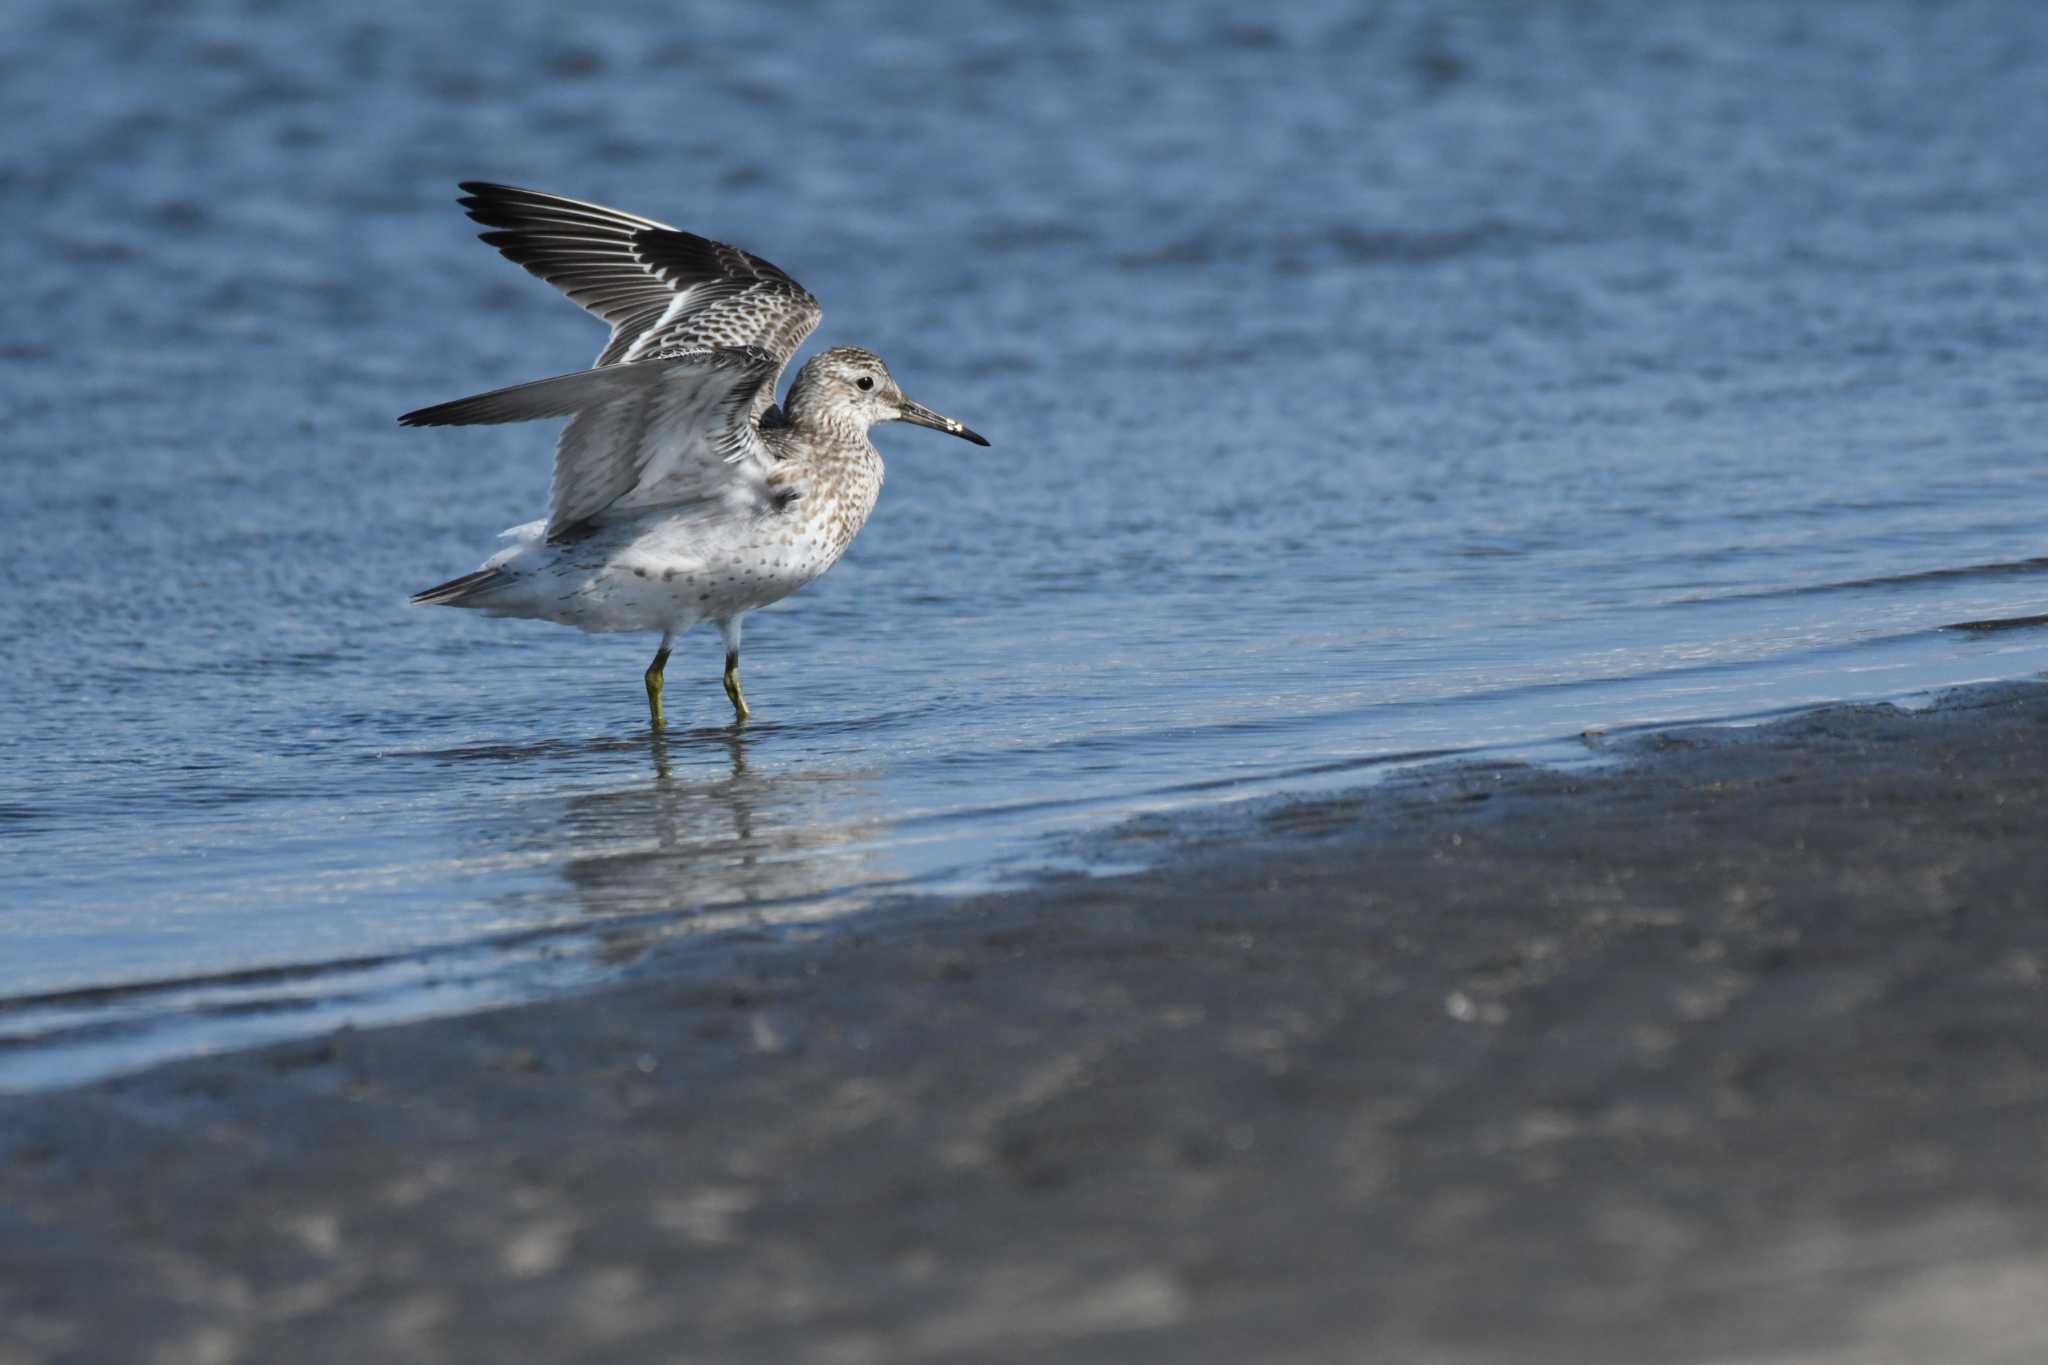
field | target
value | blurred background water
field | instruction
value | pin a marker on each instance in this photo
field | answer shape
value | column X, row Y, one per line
column 1364, row 382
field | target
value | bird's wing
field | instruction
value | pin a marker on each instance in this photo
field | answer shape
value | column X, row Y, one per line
column 674, row 429
column 659, row 288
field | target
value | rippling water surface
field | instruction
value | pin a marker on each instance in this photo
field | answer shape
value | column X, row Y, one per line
column 1451, row 379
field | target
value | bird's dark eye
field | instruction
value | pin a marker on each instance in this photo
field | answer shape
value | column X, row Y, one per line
column 864, row 383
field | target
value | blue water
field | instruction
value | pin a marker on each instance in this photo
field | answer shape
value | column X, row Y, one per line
column 1451, row 379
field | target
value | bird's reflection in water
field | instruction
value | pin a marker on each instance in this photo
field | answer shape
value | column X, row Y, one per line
column 712, row 839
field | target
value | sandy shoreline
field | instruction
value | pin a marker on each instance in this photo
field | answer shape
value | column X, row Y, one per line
column 1733, row 1051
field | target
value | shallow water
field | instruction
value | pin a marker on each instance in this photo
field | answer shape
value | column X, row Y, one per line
column 1448, row 381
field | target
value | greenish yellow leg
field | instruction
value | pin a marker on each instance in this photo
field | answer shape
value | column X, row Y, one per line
column 732, row 685
column 653, row 680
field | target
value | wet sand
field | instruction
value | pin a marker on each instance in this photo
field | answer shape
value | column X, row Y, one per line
column 1734, row 1050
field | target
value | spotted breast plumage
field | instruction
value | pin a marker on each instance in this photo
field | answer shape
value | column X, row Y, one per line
column 682, row 493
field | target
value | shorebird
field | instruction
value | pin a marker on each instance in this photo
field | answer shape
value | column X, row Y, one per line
column 681, row 492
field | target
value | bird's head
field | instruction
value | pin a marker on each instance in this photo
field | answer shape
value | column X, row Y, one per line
column 848, row 380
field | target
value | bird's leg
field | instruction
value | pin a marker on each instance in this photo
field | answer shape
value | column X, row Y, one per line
column 731, row 631
column 732, row 686
column 653, row 680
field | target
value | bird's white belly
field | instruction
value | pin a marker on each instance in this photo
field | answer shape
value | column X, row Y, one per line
column 664, row 577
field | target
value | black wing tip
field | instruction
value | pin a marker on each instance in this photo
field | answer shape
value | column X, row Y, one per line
column 486, row 194
column 478, row 410
column 532, row 218
column 478, row 191
column 514, row 206
column 455, row 590
column 462, row 412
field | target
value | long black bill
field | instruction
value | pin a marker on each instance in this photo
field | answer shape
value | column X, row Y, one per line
column 925, row 417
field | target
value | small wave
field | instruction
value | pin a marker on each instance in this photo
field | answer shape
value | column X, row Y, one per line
column 2005, row 623
column 1919, row 577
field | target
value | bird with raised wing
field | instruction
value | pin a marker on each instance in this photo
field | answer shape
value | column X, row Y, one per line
column 682, row 493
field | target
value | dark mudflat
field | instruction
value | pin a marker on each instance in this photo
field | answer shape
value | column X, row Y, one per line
column 1738, row 1050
